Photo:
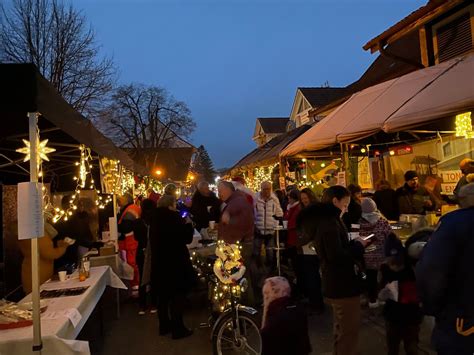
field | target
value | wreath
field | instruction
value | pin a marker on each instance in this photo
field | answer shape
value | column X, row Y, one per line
column 229, row 266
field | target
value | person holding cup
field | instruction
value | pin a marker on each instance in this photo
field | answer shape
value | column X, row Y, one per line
column 205, row 209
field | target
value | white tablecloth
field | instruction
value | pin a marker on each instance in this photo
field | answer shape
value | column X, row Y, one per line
column 59, row 334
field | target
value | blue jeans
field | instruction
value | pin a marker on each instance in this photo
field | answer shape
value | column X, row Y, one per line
column 269, row 241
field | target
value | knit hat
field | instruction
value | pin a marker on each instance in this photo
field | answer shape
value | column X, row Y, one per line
column 393, row 246
column 466, row 163
column 274, row 288
column 410, row 174
column 368, row 205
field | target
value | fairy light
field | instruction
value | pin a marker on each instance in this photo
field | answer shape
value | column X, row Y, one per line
column 260, row 175
column 84, row 180
column 464, row 125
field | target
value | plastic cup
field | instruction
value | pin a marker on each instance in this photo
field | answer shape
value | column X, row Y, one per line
column 62, row 275
column 212, row 224
column 285, row 224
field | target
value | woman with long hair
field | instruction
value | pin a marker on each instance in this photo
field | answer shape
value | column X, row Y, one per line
column 340, row 264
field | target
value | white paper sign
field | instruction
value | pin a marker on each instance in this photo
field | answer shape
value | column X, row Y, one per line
column 30, row 210
column 113, row 228
column 71, row 313
column 341, row 178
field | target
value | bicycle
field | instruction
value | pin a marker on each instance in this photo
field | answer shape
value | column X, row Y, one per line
column 234, row 326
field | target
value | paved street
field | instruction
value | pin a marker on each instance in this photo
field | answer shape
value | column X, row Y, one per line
column 134, row 334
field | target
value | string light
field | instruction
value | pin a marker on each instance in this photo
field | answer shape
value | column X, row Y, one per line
column 84, row 180
column 464, row 125
column 260, row 175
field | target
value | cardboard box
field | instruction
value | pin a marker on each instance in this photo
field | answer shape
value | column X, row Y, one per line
column 107, row 250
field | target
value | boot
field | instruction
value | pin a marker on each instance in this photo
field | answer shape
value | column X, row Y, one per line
column 165, row 324
column 178, row 330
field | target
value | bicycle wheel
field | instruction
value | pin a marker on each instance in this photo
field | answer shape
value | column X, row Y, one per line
column 225, row 340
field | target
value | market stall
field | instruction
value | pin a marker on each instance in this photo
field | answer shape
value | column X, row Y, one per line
column 63, row 150
column 63, row 317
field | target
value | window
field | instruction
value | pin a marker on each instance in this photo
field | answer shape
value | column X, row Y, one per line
column 447, row 151
column 453, row 36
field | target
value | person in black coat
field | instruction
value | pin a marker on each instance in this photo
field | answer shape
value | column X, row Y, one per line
column 354, row 210
column 172, row 273
column 386, row 199
column 205, row 207
column 445, row 278
column 341, row 261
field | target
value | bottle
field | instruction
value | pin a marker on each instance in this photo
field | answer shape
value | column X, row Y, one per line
column 82, row 272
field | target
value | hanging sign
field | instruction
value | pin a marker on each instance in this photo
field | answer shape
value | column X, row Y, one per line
column 341, row 178
column 30, row 210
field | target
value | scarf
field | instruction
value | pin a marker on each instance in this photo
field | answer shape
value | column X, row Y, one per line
column 274, row 288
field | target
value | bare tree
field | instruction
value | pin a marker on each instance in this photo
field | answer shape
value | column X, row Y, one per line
column 56, row 38
column 140, row 116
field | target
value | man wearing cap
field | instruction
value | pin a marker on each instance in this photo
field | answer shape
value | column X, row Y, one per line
column 445, row 278
column 467, row 167
column 413, row 198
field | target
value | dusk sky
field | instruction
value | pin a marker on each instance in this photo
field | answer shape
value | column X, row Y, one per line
column 232, row 61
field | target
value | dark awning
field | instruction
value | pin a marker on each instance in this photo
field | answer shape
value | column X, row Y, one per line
column 24, row 89
column 269, row 152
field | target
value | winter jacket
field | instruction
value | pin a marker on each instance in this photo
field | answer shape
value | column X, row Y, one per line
column 340, row 258
column 241, row 224
column 445, row 276
column 381, row 229
column 354, row 212
column 171, row 270
column 387, row 203
column 265, row 211
column 412, row 201
column 405, row 311
column 286, row 331
column 462, row 181
column 47, row 254
column 205, row 209
column 291, row 216
column 127, row 218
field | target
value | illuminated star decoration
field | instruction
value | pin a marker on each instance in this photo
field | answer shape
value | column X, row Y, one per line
column 42, row 150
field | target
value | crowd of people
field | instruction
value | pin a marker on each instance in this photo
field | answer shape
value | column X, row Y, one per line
column 324, row 262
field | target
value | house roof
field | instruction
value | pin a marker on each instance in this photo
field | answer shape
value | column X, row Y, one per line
column 273, row 124
column 321, row 96
column 410, row 22
column 270, row 151
column 383, row 68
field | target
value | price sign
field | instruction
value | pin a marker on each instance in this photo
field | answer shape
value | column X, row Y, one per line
column 30, row 210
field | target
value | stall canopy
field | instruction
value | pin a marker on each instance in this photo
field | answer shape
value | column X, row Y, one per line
column 411, row 100
column 269, row 152
column 24, row 90
column 436, row 101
